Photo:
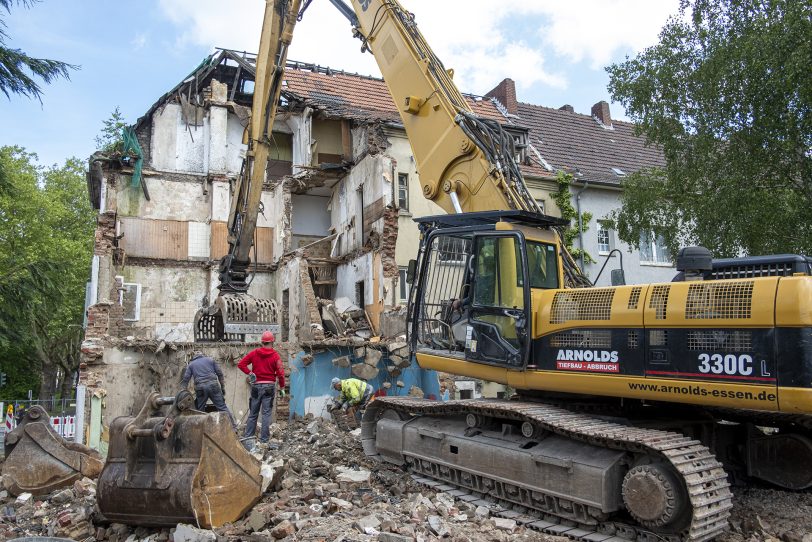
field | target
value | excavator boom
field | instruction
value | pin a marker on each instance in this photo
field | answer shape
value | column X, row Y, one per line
column 235, row 315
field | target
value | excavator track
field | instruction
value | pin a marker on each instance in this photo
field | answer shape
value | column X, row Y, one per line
column 705, row 481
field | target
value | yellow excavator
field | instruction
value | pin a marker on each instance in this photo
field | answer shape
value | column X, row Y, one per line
column 630, row 401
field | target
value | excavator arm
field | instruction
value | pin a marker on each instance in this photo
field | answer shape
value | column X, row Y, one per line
column 235, row 315
column 277, row 32
column 466, row 163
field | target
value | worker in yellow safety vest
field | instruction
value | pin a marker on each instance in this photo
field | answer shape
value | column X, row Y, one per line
column 353, row 392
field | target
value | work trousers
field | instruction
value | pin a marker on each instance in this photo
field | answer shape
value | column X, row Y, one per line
column 262, row 396
column 211, row 390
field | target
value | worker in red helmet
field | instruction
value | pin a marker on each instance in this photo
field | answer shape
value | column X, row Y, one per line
column 265, row 373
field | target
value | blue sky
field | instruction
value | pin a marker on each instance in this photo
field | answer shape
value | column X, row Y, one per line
column 131, row 53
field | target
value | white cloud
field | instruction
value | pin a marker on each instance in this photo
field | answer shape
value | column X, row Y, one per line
column 139, row 41
column 474, row 37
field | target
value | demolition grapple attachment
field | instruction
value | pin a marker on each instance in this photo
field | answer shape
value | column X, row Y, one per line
column 236, row 317
column 183, row 466
column 38, row 460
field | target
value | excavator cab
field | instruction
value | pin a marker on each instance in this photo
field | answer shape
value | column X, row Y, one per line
column 472, row 297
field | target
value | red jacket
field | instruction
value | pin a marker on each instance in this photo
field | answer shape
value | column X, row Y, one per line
column 266, row 363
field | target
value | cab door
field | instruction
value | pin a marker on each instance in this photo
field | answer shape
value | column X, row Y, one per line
column 498, row 328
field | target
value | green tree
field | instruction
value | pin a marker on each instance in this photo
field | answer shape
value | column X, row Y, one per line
column 46, row 241
column 563, row 199
column 18, row 71
column 727, row 95
column 109, row 139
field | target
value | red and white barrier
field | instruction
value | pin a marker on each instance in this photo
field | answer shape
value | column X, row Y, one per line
column 65, row 426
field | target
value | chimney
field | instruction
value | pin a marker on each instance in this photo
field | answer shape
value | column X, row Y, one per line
column 601, row 111
column 505, row 92
column 567, row 107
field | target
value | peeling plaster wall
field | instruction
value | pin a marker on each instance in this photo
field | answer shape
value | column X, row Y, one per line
column 373, row 175
column 176, row 147
column 125, row 375
column 169, row 299
column 278, row 216
column 169, row 199
column 301, row 127
column 236, row 150
column 357, row 270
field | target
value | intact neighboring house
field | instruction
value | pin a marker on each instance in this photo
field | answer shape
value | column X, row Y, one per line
column 599, row 152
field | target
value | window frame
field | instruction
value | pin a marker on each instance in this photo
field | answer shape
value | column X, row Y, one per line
column 403, row 286
column 603, row 227
column 137, row 308
column 403, row 187
column 656, row 246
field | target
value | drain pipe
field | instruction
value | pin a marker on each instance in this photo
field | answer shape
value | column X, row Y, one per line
column 580, row 226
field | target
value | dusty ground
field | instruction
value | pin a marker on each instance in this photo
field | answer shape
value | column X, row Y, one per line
column 331, row 493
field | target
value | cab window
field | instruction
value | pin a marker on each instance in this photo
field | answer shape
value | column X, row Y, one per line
column 542, row 263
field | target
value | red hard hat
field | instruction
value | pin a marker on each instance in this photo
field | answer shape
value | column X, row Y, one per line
column 267, row 337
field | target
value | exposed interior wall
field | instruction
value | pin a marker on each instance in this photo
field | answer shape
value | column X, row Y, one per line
column 125, row 373
column 359, row 202
column 327, row 145
column 310, row 215
column 301, row 127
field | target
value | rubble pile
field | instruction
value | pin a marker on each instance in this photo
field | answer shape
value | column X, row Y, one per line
column 343, row 318
column 322, row 487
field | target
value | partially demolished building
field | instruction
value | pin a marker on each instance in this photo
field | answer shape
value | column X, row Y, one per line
column 334, row 235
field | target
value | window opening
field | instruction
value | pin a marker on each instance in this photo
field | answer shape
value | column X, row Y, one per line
column 403, row 191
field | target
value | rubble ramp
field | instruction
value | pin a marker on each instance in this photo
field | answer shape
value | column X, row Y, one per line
column 183, row 467
column 236, row 318
column 38, row 460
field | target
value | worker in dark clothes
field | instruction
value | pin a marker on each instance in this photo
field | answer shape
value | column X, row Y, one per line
column 265, row 373
column 209, row 383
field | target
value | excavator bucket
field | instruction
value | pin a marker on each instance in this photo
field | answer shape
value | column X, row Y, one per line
column 183, row 466
column 38, row 460
column 236, row 318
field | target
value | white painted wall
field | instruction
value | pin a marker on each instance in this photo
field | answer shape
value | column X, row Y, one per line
column 169, row 200
column 218, row 149
column 310, row 215
column 352, row 272
column 301, row 128
column 373, row 175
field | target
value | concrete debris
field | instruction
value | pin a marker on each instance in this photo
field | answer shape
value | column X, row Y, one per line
column 414, row 391
column 343, row 361
column 343, row 318
column 372, row 357
column 482, row 512
column 364, row 371
column 400, row 384
column 326, row 489
column 398, row 345
column 505, row 524
column 350, row 475
column 189, row 533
